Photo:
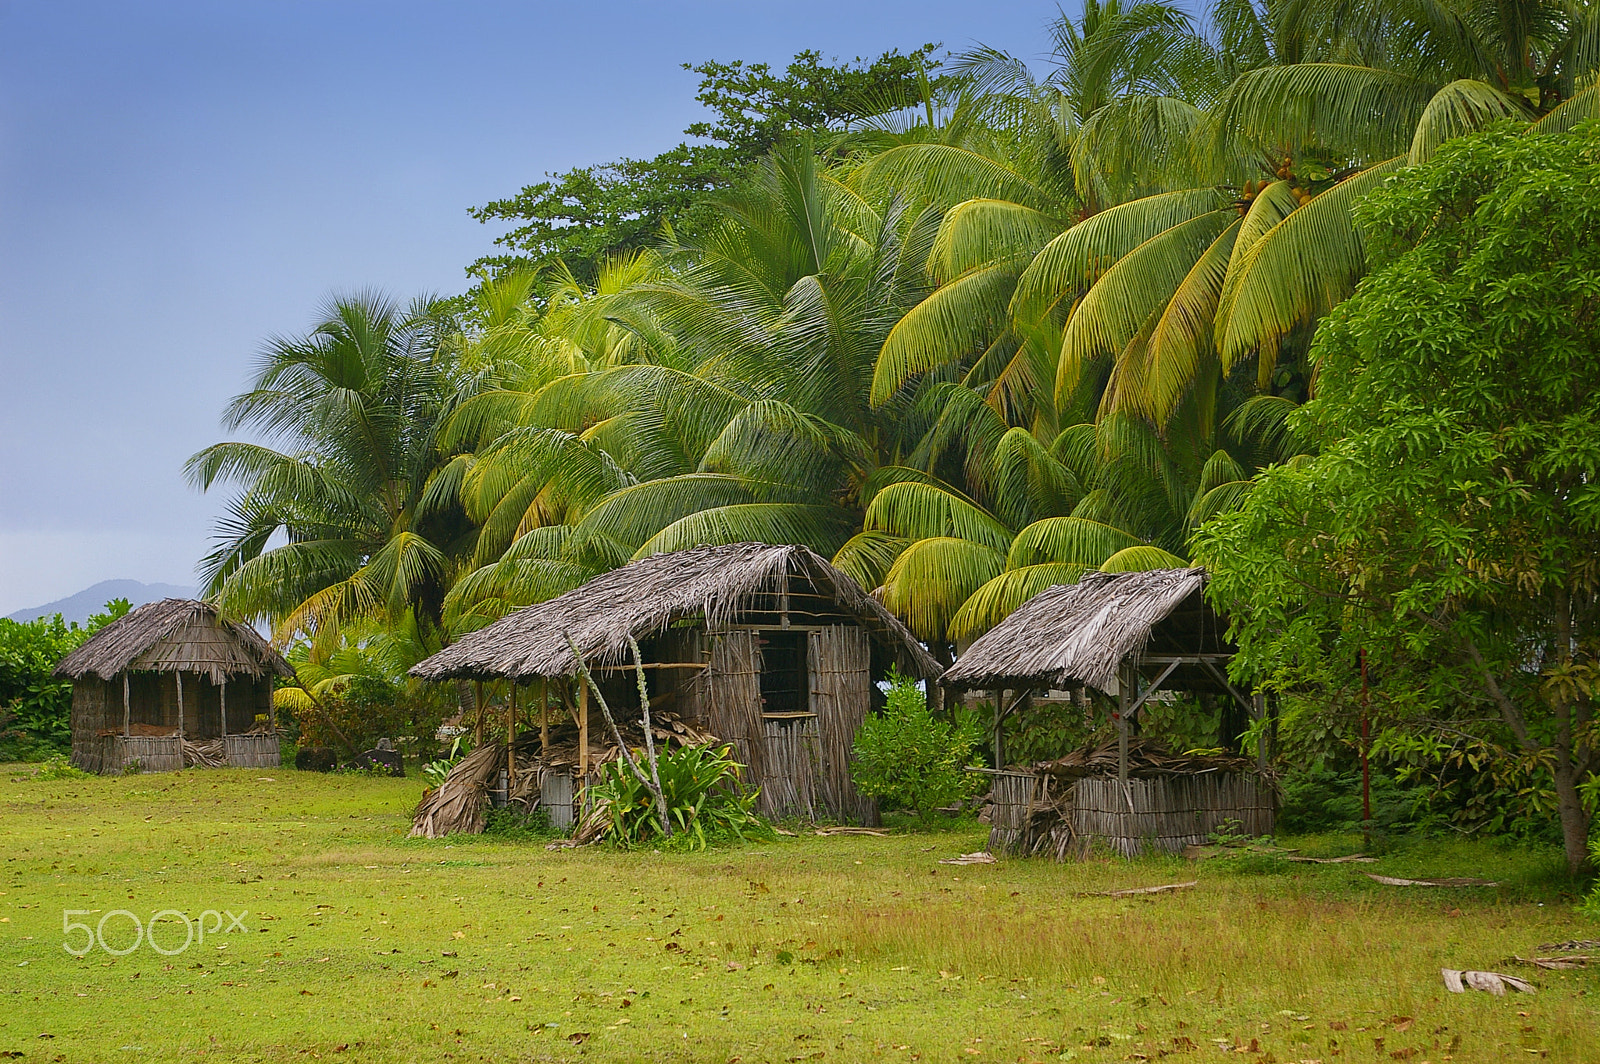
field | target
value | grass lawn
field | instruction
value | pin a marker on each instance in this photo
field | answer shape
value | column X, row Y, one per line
column 363, row 945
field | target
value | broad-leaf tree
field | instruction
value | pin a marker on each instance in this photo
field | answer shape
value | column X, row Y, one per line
column 1450, row 526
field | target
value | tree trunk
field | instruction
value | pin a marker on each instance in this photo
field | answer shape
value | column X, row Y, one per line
column 1574, row 820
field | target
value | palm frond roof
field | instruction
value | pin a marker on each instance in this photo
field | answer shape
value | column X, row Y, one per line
column 175, row 635
column 646, row 597
column 1080, row 633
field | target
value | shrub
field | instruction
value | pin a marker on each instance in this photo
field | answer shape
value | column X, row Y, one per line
column 59, row 768
column 704, row 794
column 907, row 757
column 35, row 708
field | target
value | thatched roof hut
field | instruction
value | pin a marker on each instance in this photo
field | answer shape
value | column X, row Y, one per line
column 768, row 647
column 718, row 586
column 1127, row 634
column 1083, row 633
column 173, row 682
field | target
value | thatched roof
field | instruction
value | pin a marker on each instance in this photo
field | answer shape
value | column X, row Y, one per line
column 643, row 598
column 1080, row 633
column 174, row 635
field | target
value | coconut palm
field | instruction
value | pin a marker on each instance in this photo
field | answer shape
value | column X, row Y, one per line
column 329, row 521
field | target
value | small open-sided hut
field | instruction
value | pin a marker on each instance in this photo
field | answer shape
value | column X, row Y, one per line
column 767, row 647
column 171, row 684
column 1131, row 635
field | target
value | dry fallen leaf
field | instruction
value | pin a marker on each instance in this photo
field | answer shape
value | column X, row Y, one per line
column 1452, row 881
column 1163, row 889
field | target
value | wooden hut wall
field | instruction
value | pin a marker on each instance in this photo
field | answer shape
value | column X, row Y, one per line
column 1167, row 813
column 733, row 697
column 839, row 659
column 90, row 714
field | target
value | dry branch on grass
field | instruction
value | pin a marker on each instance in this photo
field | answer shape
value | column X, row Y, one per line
column 1165, row 888
column 1496, row 983
column 1451, row 881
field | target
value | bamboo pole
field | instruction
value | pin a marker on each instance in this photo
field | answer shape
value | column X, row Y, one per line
column 179, row 676
column 1124, row 682
column 477, row 713
column 583, row 730
column 544, row 717
column 222, row 693
column 511, row 734
column 127, row 713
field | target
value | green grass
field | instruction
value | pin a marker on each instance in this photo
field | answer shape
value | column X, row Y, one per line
column 364, row 945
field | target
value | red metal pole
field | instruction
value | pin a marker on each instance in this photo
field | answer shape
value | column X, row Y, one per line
column 1366, row 775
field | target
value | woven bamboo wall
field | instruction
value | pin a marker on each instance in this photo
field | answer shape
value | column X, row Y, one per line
column 1167, row 813
column 155, row 753
column 1034, row 814
column 789, row 787
column 256, row 750
column 733, row 696
column 839, row 660
column 89, row 717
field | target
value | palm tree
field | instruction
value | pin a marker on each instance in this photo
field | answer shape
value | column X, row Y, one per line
column 330, row 521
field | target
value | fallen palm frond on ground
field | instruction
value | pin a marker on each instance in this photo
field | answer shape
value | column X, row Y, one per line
column 1165, row 888
column 1496, row 983
column 1450, row 881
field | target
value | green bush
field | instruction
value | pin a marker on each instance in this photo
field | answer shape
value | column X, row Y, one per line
column 36, row 709
column 906, row 757
column 704, row 795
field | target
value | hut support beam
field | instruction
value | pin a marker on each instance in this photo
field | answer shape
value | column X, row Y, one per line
column 179, row 677
column 544, row 718
column 999, row 733
column 127, row 712
column 1154, row 686
column 1125, row 682
column 1258, row 710
column 511, row 735
column 222, row 693
column 583, row 731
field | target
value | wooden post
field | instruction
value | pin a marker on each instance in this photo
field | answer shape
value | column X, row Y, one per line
column 272, row 709
column 477, row 713
column 127, row 714
column 1258, row 704
column 1124, row 699
column 999, row 745
column 511, row 734
column 583, row 731
column 222, row 693
column 544, row 717
column 179, row 676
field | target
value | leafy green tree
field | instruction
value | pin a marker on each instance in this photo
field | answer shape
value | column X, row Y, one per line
column 1451, row 524
column 36, row 708
column 590, row 214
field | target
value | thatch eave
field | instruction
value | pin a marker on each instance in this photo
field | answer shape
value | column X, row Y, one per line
column 174, row 635
column 1076, row 634
column 712, row 585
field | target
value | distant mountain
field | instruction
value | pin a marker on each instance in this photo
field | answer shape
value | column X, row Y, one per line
column 93, row 599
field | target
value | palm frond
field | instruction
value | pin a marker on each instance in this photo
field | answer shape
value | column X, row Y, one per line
column 1069, row 541
column 923, row 511
column 932, row 578
column 1000, row 597
column 822, row 528
column 1141, row 559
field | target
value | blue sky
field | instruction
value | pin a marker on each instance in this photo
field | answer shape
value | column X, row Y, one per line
column 180, row 180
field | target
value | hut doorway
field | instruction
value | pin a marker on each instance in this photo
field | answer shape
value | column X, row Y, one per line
column 784, row 691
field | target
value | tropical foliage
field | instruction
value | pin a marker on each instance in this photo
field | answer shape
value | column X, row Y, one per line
column 1450, row 527
column 970, row 326
column 906, row 757
column 36, row 708
column 704, row 796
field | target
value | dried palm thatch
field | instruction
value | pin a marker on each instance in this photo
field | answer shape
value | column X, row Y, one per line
column 174, row 635
column 1145, row 758
column 1078, row 633
column 461, row 802
column 637, row 601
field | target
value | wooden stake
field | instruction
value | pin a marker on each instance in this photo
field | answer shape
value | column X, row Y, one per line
column 583, row 731
column 477, row 713
column 1124, row 696
column 544, row 717
column 222, row 693
column 179, row 676
column 127, row 715
column 511, row 734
